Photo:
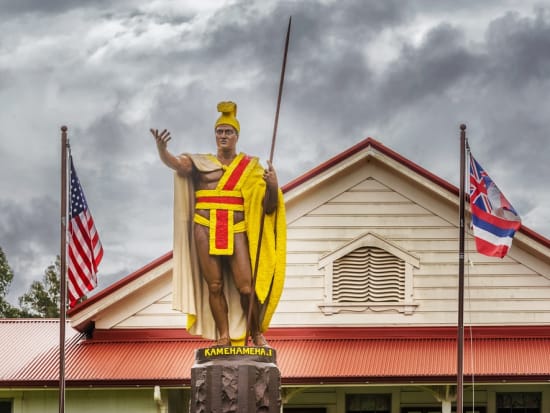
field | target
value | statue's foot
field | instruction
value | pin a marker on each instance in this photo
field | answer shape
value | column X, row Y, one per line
column 222, row 342
column 259, row 340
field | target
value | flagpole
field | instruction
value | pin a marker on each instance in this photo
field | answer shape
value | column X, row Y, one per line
column 63, row 269
column 460, row 332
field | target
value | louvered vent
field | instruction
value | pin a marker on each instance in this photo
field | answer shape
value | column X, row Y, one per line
column 368, row 274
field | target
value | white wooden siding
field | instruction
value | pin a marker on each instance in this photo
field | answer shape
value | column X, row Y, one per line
column 426, row 225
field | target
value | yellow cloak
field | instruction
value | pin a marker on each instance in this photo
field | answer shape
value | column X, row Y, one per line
column 190, row 291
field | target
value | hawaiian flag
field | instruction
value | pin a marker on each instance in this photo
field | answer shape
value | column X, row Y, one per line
column 494, row 220
column 85, row 251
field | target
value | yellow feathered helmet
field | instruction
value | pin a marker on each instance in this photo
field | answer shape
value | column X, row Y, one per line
column 228, row 117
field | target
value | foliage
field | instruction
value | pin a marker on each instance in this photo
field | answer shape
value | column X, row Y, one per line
column 42, row 299
column 6, row 277
column 6, row 274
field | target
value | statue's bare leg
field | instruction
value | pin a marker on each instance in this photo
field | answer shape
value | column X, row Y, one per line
column 212, row 271
column 242, row 276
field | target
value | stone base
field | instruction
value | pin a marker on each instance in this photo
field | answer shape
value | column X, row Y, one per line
column 235, row 379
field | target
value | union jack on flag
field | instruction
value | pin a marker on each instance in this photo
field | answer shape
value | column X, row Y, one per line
column 85, row 250
column 494, row 220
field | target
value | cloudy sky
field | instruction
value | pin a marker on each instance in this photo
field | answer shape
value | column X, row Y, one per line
column 406, row 73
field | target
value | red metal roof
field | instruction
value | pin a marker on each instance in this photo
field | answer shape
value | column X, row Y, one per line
column 305, row 355
column 24, row 340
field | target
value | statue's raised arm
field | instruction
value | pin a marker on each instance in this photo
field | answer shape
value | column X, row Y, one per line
column 219, row 201
column 182, row 164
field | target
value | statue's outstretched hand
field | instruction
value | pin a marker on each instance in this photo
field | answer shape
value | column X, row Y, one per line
column 182, row 163
column 161, row 138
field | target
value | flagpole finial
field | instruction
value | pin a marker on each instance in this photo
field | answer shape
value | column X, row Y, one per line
column 64, row 128
column 463, row 127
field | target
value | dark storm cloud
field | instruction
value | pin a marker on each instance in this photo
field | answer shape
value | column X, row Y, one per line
column 48, row 6
column 513, row 82
column 517, row 77
column 519, row 48
column 326, row 52
column 22, row 224
column 439, row 82
column 106, row 139
column 498, row 84
column 430, row 69
column 29, row 232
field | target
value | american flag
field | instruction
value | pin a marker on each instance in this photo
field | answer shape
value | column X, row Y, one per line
column 85, row 251
column 494, row 219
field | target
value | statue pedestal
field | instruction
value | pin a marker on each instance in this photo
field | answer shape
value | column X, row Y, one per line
column 235, row 379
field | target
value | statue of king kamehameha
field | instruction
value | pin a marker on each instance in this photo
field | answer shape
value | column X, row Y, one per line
column 219, row 203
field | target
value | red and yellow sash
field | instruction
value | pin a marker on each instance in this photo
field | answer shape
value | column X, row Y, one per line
column 222, row 202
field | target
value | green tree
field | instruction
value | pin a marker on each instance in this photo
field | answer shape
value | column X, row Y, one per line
column 6, row 277
column 42, row 299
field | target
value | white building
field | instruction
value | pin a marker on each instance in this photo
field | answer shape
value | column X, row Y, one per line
column 367, row 321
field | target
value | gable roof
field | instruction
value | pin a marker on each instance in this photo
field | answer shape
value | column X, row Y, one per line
column 362, row 146
column 370, row 147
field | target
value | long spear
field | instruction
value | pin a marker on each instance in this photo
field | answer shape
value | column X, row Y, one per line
column 281, row 83
column 274, row 137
